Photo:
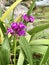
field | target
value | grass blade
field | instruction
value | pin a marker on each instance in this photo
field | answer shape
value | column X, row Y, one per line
column 26, row 48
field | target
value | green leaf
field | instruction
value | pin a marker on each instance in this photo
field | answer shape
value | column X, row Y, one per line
column 40, row 42
column 20, row 59
column 26, row 48
column 45, row 57
column 0, row 12
column 31, row 7
column 28, row 37
column 3, row 28
column 37, row 29
column 39, row 49
column 39, row 46
column 6, row 14
column 5, row 53
column 40, row 21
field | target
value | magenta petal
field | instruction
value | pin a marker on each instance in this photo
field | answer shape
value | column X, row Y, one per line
column 31, row 19
column 9, row 30
column 28, row 18
column 14, row 25
column 25, row 17
column 22, row 33
column 21, row 25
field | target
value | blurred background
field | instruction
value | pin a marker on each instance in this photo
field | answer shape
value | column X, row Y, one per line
column 40, row 11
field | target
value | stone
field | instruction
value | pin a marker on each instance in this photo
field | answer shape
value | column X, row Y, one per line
column 19, row 10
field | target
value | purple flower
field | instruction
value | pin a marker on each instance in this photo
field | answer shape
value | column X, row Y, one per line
column 28, row 18
column 21, row 25
column 14, row 26
column 9, row 30
column 25, row 17
column 17, row 29
column 22, row 33
column 31, row 19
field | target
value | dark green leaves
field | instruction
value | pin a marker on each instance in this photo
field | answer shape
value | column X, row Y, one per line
column 2, row 28
column 26, row 48
column 5, row 53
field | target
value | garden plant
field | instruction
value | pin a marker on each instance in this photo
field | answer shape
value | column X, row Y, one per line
column 17, row 43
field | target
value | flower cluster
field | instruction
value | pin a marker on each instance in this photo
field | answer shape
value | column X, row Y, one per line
column 17, row 29
column 28, row 18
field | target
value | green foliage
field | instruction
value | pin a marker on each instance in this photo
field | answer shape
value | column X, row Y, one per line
column 24, row 47
column 2, row 28
column 45, row 57
column 37, row 29
column 0, row 12
column 31, row 7
column 5, row 52
column 21, row 58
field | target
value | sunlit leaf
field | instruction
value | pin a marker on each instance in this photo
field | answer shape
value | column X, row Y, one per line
column 20, row 59
column 5, row 15
column 1, row 36
column 18, row 18
column 39, row 49
column 40, row 42
column 40, row 45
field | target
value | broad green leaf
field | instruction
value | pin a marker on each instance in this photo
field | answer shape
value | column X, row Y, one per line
column 31, row 7
column 45, row 57
column 5, row 53
column 40, row 21
column 37, row 29
column 39, row 49
column 40, row 42
column 5, row 15
column 26, row 48
column 40, row 45
column 21, row 58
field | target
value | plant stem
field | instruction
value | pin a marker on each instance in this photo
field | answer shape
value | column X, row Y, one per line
column 31, row 7
column 14, row 50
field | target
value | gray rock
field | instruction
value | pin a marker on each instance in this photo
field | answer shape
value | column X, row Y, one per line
column 19, row 10
column 42, row 3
